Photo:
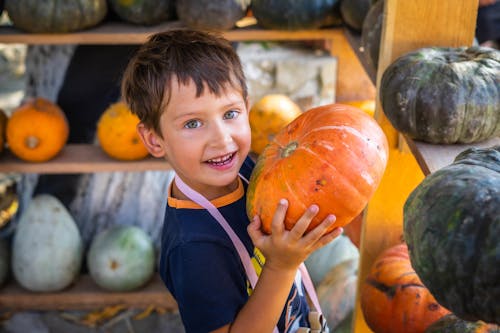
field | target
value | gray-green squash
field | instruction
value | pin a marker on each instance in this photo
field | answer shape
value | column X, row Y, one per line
column 55, row 16
column 121, row 258
column 452, row 226
column 444, row 95
column 211, row 14
column 144, row 12
column 47, row 249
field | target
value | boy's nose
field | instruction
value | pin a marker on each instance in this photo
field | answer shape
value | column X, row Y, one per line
column 221, row 134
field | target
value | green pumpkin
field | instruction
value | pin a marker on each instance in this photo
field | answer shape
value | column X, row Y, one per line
column 452, row 226
column 444, row 95
column 354, row 12
column 121, row 258
column 371, row 33
column 295, row 15
column 55, row 16
column 211, row 14
column 144, row 12
column 452, row 324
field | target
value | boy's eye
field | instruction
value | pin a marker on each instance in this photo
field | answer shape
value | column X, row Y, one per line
column 231, row 114
column 192, row 124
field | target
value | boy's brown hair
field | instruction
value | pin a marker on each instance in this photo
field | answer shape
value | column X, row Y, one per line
column 182, row 54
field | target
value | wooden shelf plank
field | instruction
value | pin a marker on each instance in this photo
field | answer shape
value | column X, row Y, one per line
column 79, row 158
column 84, row 294
column 433, row 157
column 124, row 33
column 354, row 40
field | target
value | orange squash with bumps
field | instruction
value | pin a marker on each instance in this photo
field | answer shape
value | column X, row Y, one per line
column 268, row 116
column 393, row 299
column 333, row 156
column 37, row 130
column 117, row 133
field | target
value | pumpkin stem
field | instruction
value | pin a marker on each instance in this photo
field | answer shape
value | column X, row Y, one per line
column 289, row 149
column 32, row 142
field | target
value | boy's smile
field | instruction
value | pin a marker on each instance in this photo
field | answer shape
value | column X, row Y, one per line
column 206, row 138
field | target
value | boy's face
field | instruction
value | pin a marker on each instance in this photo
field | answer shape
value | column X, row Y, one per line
column 205, row 139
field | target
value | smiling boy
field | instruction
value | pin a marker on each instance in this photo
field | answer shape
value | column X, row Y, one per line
column 189, row 92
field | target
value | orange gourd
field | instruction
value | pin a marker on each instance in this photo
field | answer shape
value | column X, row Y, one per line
column 333, row 156
column 268, row 116
column 117, row 133
column 393, row 299
column 37, row 130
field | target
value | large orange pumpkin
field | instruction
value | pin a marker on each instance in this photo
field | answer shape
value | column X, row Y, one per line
column 37, row 130
column 393, row 299
column 268, row 116
column 117, row 133
column 333, row 156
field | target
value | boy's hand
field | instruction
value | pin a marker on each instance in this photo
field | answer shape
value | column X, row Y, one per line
column 286, row 250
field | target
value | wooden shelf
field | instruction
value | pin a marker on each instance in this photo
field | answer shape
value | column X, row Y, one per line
column 124, row 33
column 84, row 294
column 433, row 157
column 79, row 158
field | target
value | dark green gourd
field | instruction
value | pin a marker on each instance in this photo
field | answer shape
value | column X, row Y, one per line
column 444, row 95
column 452, row 228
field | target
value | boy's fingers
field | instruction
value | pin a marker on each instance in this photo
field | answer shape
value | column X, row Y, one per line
column 278, row 223
column 300, row 227
column 254, row 230
column 327, row 238
column 320, row 229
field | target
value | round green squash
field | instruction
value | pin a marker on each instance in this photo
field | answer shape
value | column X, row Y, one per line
column 144, row 12
column 354, row 12
column 121, row 258
column 47, row 248
column 295, row 15
column 452, row 324
column 371, row 33
column 452, row 226
column 444, row 95
column 211, row 14
column 4, row 260
column 55, row 16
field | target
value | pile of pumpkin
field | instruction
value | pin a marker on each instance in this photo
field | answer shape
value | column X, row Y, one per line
column 69, row 16
column 37, row 131
column 46, row 252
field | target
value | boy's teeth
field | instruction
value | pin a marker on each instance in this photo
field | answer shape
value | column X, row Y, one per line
column 220, row 159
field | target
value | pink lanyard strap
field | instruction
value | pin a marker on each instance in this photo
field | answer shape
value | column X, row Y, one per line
column 240, row 248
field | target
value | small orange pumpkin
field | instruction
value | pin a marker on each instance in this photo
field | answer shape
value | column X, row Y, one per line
column 333, row 156
column 37, row 130
column 117, row 133
column 3, row 127
column 268, row 116
column 367, row 105
column 393, row 299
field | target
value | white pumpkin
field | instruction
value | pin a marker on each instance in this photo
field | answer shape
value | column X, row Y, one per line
column 47, row 248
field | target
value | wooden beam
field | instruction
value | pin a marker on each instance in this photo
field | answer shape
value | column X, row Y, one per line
column 409, row 25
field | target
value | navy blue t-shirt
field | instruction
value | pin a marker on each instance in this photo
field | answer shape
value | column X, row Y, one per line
column 201, row 267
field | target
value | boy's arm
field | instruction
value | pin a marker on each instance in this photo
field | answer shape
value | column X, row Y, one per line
column 284, row 251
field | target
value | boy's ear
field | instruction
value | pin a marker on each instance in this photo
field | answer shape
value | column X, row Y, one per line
column 151, row 141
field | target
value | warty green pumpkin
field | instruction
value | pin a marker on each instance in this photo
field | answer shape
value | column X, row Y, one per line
column 452, row 226
column 55, row 16
column 444, row 95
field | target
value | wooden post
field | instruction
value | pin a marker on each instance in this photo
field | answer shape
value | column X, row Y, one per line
column 409, row 25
